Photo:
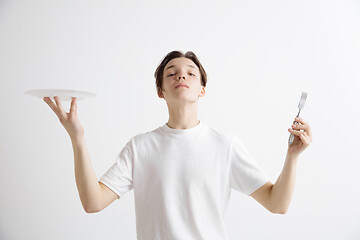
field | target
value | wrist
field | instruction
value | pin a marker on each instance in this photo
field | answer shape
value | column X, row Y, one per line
column 77, row 139
column 292, row 158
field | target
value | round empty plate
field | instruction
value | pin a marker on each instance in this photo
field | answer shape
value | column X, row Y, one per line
column 63, row 94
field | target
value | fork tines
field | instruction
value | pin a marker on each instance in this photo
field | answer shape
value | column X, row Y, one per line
column 302, row 100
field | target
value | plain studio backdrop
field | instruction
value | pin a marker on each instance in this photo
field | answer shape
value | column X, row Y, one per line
column 259, row 57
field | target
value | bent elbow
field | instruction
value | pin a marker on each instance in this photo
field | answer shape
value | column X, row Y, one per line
column 280, row 212
column 90, row 210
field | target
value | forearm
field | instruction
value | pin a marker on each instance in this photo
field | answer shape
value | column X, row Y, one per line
column 282, row 190
column 87, row 183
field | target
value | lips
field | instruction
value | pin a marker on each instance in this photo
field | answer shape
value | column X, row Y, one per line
column 182, row 85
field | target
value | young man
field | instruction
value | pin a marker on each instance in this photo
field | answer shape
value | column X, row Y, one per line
column 182, row 173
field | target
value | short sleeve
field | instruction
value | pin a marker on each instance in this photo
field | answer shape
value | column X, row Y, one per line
column 245, row 174
column 119, row 177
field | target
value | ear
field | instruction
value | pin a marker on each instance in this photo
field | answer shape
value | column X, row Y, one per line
column 202, row 93
column 160, row 94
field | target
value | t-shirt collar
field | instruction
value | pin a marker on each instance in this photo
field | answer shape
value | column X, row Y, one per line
column 191, row 130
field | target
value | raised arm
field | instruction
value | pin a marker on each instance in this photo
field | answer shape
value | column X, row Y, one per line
column 277, row 197
column 94, row 196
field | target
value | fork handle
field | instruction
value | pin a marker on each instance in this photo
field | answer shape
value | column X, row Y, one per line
column 291, row 138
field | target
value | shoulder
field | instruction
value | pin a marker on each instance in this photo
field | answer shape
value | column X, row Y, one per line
column 145, row 139
column 146, row 136
column 220, row 135
column 233, row 140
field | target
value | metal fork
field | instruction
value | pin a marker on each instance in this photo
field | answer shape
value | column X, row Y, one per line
column 301, row 105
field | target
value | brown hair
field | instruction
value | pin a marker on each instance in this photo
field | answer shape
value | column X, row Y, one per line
column 176, row 54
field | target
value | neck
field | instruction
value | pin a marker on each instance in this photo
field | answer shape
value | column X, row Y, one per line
column 183, row 116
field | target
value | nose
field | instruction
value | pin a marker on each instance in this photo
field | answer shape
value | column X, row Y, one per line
column 183, row 77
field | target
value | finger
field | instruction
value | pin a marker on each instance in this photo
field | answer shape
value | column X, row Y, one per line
column 300, row 120
column 51, row 104
column 59, row 106
column 73, row 106
column 305, row 127
column 308, row 134
column 302, row 135
column 295, row 132
column 299, row 134
column 305, row 138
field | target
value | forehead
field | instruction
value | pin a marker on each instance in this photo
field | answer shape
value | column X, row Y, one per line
column 178, row 62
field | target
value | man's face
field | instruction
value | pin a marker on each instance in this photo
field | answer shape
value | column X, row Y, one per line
column 177, row 72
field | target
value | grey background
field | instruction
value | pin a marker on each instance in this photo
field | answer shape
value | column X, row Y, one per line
column 259, row 56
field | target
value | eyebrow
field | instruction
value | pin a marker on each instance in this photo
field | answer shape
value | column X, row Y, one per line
column 171, row 66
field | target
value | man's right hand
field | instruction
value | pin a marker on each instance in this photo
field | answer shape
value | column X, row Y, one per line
column 69, row 120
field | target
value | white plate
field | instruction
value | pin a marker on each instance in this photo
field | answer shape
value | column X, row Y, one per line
column 63, row 94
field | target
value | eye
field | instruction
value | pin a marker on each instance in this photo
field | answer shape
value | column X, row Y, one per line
column 173, row 74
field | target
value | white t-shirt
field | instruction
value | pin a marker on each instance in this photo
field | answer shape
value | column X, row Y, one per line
column 182, row 179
